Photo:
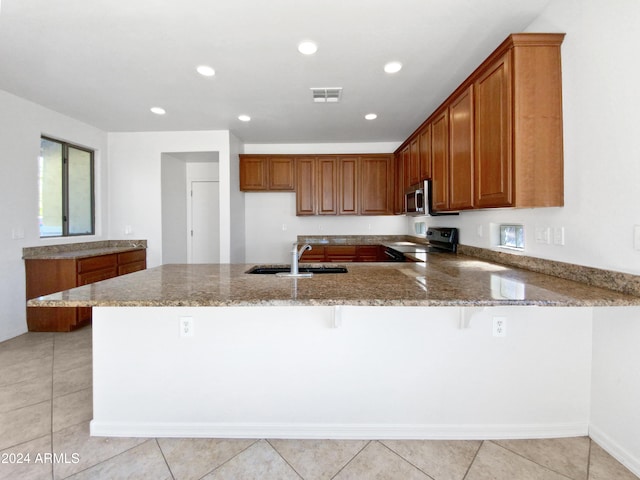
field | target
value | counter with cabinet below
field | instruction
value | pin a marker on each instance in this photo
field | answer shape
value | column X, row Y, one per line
column 60, row 267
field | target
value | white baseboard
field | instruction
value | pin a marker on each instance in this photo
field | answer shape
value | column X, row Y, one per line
column 337, row 431
column 614, row 449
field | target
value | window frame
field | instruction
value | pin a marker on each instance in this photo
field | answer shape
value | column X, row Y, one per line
column 65, row 188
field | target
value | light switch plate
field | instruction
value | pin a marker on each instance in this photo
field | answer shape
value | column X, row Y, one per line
column 636, row 237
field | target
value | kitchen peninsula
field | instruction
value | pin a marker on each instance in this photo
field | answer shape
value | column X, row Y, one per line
column 401, row 350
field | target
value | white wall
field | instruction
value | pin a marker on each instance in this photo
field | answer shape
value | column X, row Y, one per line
column 601, row 101
column 237, row 210
column 136, row 189
column 615, row 416
column 271, row 221
column 174, row 209
column 21, row 125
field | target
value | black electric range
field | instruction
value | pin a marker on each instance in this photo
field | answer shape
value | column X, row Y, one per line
column 440, row 240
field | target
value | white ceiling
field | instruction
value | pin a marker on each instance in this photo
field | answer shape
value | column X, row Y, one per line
column 106, row 62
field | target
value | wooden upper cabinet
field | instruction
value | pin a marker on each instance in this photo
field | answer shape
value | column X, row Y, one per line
column 306, row 203
column 398, row 185
column 461, row 151
column 406, row 167
column 348, row 175
column 414, row 161
column 376, row 185
column 425, row 152
column 493, row 160
column 254, row 173
column 327, row 185
column 281, row 174
column 440, row 161
column 267, row 173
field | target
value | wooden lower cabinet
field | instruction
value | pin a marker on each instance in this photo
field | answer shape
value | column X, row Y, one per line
column 45, row 276
column 344, row 254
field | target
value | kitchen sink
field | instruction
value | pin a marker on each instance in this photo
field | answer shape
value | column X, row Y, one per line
column 273, row 269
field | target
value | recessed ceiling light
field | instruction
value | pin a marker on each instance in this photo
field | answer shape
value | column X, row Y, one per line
column 371, row 116
column 307, row 48
column 393, row 67
column 244, row 118
column 158, row 110
column 206, row 71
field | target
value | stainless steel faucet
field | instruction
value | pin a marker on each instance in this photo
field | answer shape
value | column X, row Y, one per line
column 296, row 255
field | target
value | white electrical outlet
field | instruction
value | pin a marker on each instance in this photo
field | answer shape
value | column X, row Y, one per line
column 479, row 231
column 284, row 227
column 558, row 236
column 499, row 326
column 186, row 326
column 543, row 235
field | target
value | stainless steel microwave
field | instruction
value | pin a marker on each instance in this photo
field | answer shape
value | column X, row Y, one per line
column 415, row 200
column 418, row 201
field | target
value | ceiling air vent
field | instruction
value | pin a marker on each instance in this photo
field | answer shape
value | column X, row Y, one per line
column 327, row 95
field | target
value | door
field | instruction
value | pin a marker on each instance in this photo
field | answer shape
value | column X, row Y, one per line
column 205, row 222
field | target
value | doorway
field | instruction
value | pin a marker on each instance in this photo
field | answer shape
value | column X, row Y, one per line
column 205, row 222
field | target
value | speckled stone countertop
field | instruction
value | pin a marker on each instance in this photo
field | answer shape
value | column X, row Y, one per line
column 81, row 250
column 443, row 280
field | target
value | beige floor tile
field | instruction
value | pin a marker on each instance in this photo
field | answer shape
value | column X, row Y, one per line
column 24, row 424
column 68, row 359
column 318, row 459
column 73, row 380
column 90, row 450
column 192, row 458
column 603, row 466
column 494, row 462
column 144, row 462
column 568, row 456
column 72, row 409
column 24, row 366
column 377, row 461
column 25, row 393
column 442, row 460
column 258, row 462
column 28, row 462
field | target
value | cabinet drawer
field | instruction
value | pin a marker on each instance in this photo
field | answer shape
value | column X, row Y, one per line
column 132, row 256
column 97, row 275
column 97, row 263
column 131, row 267
column 340, row 253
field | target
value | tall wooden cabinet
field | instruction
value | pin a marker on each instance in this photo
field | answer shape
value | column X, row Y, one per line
column 461, row 151
column 440, row 160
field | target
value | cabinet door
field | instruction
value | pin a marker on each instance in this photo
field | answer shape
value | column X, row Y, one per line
column 376, row 185
column 425, row 153
column 461, row 151
column 414, row 161
column 348, row 186
column 406, row 167
column 493, row 158
column 306, row 186
column 340, row 253
column 327, row 176
column 254, row 174
column 281, row 173
column 440, row 161
column 398, row 183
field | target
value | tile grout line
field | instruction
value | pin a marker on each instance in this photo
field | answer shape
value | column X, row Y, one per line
column 229, row 459
column 53, row 362
column 165, row 459
column 381, row 442
column 589, row 459
column 285, row 460
column 532, row 461
column 473, row 460
column 352, row 459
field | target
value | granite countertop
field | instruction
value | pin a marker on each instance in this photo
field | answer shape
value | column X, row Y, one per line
column 443, row 280
column 82, row 250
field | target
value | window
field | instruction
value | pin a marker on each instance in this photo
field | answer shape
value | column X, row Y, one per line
column 65, row 185
column 512, row 236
